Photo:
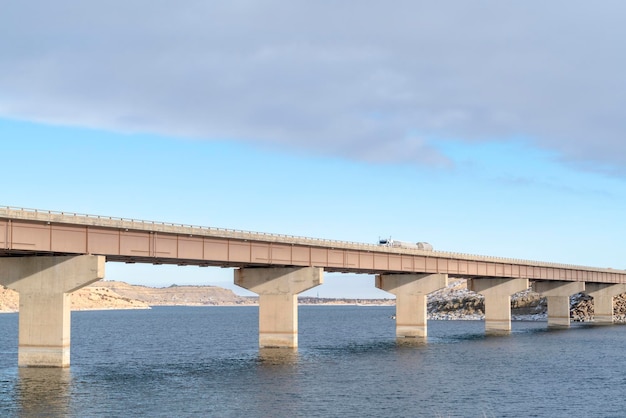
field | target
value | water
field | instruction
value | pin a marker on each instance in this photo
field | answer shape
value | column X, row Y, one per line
column 189, row 362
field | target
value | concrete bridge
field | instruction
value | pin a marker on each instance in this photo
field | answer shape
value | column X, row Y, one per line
column 46, row 255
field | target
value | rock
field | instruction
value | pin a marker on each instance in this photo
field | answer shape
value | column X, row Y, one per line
column 456, row 301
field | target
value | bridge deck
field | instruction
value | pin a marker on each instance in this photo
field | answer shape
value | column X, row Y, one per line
column 36, row 232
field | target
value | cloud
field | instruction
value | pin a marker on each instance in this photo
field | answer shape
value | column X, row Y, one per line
column 366, row 80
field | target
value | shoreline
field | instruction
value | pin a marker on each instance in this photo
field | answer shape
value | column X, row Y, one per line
column 454, row 302
column 449, row 316
column 435, row 316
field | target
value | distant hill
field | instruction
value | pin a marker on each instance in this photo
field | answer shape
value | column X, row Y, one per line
column 95, row 296
column 120, row 295
column 177, row 295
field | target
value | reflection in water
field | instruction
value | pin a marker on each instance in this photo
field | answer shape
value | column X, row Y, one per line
column 278, row 356
column 279, row 381
column 497, row 333
column 43, row 391
column 411, row 342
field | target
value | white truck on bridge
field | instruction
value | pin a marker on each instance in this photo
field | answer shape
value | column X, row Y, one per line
column 424, row 246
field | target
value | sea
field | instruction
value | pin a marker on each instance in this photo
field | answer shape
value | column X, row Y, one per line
column 205, row 362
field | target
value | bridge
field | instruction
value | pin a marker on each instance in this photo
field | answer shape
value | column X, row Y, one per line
column 47, row 255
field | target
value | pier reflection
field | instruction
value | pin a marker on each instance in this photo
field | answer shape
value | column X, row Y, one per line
column 411, row 342
column 44, row 392
column 278, row 356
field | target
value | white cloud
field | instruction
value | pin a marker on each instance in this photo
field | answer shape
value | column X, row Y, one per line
column 366, row 80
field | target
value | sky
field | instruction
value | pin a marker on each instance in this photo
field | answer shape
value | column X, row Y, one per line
column 482, row 127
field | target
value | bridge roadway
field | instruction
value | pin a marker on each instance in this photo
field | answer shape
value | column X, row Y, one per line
column 46, row 255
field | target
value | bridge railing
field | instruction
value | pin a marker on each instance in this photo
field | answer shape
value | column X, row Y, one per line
column 178, row 225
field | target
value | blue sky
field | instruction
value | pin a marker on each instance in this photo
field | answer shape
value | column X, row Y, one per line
column 488, row 128
column 503, row 200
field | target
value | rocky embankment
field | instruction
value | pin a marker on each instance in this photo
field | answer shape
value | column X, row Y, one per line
column 456, row 302
column 582, row 308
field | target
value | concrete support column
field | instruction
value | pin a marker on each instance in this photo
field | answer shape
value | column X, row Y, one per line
column 411, row 291
column 278, row 301
column 44, row 285
column 557, row 293
column 497, row 293
column 603, row 302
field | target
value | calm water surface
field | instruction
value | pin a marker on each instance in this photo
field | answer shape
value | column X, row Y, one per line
column 184, row 362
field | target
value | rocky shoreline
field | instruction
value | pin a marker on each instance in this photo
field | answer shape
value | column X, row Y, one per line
column 454, row 302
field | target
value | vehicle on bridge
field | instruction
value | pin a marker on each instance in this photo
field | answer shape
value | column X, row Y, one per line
column 388, row 242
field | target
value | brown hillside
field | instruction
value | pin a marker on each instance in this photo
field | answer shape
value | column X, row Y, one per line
column 177, row 295
column 90, row 297
column 119, row 295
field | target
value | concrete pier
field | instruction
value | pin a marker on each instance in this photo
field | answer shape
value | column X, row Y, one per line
column 44, row 285
column 278, row 290
column 603, row 302
column 411, row 291
column 497, row 292
column 557, row 293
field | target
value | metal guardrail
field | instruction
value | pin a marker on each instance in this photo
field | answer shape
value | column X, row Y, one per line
column 318, row 241
column 144, row 222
